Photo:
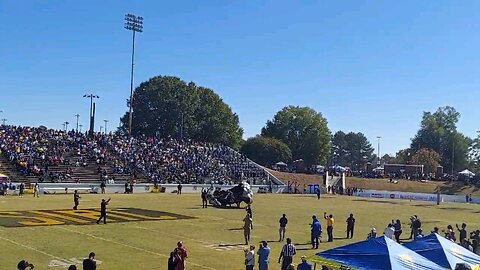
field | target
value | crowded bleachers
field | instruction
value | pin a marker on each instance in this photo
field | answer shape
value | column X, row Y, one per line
column 46, row 155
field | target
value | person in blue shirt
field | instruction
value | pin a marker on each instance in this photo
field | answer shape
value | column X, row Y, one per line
column 304, row 265
column 263, row 256
column 316, row 231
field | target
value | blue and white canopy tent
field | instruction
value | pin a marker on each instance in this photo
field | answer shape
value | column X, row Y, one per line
column 375, row 254
column 444, row 252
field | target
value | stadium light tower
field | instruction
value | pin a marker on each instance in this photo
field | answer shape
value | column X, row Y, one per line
column 135, row 24
column 92, row 111
column 77, row 116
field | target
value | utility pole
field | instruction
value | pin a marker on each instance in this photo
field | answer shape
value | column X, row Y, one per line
column 92, row 111
column 453, row 158
column 135, row 24
column 77, row 115
column 378, row 151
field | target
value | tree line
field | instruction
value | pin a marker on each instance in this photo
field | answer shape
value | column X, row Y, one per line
column 168, row 107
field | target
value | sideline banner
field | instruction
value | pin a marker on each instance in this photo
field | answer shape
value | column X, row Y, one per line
column 383, row 194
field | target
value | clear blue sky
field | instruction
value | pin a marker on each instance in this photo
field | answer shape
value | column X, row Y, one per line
column 368, row 66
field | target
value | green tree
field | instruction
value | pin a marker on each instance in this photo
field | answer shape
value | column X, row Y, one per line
column 304, row 130
column 428, row 158
column 387, row 159
column 266, row 151
column 168, row 107
column 351, row 149
column 438, row 132
column 339, row 148
column 474, row 154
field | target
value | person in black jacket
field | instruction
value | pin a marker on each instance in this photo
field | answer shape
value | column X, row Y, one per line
column 90, row 263
column 350, row 226
column 172, row 261
column 103, row 211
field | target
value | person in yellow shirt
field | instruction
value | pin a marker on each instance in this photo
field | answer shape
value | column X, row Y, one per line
column 330, row 221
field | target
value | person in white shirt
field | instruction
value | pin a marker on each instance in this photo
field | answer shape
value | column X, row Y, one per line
column 250, row 258
column 389, row 231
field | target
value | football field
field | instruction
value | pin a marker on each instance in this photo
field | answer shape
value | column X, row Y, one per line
column 143, row 229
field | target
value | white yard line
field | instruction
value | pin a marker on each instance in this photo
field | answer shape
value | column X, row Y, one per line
column 130, row 246
column 30, row 248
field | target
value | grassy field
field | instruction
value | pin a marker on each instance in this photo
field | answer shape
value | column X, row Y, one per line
column 213, row 237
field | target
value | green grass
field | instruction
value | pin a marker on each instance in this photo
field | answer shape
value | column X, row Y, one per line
column 145, row 245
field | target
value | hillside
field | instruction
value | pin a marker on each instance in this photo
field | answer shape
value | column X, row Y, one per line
column 382, row 184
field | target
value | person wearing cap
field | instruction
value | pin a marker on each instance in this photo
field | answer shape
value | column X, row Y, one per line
column 263, row 256
column 90, row 263
column 304, row 265
column 24, row 264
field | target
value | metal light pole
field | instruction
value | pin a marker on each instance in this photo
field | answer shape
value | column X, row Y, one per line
column 80, row 127
column 135, row 24
column 92, row 111
column 77, row 115
column 3, row 121
column 106, row 121
column 378, row 151
column 66, row 125
column 101, row 129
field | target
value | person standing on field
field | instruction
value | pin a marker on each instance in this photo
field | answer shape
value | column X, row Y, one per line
column 263, row 256
column 287, row 253
column 103, row 187
column 283, row 227
column 204, row 198
column 247, row 228
column 316, row 231
column 76, row 199
column 182, row 256
column 250, row 258
column 330, row 222
column 36, row 190
column 350, row 226
column 103, row 211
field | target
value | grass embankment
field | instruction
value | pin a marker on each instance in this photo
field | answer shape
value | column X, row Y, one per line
column 383, row 184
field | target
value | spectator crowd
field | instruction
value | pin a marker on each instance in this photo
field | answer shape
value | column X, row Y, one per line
column 34, row 151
